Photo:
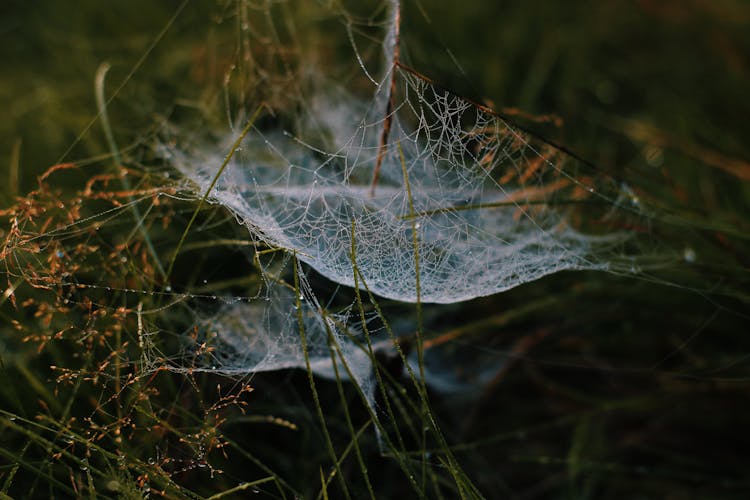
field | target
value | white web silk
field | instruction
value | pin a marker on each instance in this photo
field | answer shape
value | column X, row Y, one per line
column 463, row 198
column 475, row 233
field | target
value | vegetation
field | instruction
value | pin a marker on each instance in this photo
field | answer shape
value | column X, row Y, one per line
column 593, row 384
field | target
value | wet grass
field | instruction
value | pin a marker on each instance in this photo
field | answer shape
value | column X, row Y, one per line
column 596, row 385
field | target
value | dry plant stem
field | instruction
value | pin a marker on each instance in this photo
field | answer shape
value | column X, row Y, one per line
column 203, row 199
column 388, row 120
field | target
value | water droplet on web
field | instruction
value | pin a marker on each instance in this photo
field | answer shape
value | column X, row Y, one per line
column 689, row 255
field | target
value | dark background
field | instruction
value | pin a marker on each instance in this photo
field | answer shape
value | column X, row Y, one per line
column 615, row 386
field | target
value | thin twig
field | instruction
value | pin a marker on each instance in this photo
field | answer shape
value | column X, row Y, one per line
column 388, row 120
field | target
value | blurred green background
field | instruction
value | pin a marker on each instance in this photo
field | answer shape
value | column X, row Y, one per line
column 635, row 386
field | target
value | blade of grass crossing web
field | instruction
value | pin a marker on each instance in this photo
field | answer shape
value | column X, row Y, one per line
column 383, row 434
column 327, row 480
column 459, row 476
column 334, row 349
column 203, row 199
column 368, row 338
column 311, row 379
column 420, row 350
column 397, row 452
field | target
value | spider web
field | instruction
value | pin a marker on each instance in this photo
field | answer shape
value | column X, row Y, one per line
column 392, row 184
column 425, row 196
column 460, row 191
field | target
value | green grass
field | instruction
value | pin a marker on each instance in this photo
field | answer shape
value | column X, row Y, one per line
column 598, row 385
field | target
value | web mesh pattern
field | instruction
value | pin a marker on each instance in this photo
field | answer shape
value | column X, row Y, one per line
column 486, row 203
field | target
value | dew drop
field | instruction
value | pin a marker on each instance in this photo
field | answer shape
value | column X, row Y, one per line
column 689, row 255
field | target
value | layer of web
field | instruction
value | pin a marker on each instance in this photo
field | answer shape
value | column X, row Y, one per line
column 424, row 195
column 265, row 335
column 481, row 198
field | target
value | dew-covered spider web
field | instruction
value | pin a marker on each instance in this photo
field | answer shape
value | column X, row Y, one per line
column 411, row 192
column 470, row 199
